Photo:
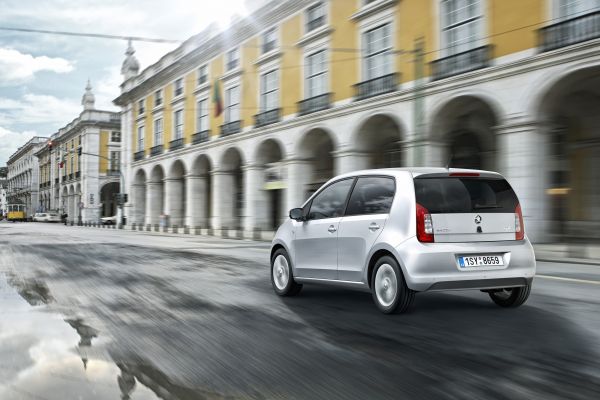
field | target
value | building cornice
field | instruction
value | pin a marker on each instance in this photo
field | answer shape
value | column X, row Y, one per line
column 178, row 62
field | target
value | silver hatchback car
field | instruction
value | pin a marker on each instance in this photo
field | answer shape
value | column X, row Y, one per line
column 399, row 231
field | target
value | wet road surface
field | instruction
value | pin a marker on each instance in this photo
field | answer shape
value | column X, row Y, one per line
column 98, row 314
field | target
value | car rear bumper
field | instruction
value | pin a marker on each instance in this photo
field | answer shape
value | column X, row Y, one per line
column 434, row 266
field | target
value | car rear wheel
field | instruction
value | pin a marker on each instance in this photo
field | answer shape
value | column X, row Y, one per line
column 389, row 290
column 511, row 297
column 282, row 277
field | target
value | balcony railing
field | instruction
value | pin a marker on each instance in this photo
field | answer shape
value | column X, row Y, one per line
column 56, row 180
column 176, row 144
column 200, row 137
column 461, row 63
column 571, row 31
column 267, row 117
column 230, row 128
column 314, row 104
column 77, row 174
column 113, row 172
column 376, row 86
column 71, row 176
column 156, row 150
column 139, row 155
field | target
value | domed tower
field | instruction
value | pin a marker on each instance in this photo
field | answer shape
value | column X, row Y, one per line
column 131, row 66
column 88, row 100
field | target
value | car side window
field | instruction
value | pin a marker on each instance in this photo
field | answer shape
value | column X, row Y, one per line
column 372, row 195
column 331, row 201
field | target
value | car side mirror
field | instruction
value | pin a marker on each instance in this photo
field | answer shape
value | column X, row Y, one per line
column 297, row 214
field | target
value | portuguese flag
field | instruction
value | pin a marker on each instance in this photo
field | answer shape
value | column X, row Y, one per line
column 217, row 100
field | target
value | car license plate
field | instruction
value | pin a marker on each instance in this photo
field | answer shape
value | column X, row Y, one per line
column 480, row 261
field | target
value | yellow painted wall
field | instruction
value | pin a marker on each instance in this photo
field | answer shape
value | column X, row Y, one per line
column 505, row 19
column 291, row 72
column 189, row 112
column 167, row 116
column 103, row 151
column 250, row 81
column 216, row 70
column 149, row 128
column 414, row 19
column 343, row 70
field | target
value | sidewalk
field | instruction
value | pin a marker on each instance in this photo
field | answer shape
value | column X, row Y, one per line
column 575, row 253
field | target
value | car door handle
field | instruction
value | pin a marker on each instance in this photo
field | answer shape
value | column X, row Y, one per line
column 373, row 227
column 331, row 229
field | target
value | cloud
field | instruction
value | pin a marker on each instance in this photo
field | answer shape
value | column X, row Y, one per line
column 37, row 109
column 10, row 141
column 17, row 67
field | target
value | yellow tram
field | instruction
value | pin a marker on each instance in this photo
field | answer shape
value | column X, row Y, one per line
column 16, row 212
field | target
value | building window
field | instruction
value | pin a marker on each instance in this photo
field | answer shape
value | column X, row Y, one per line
column 178, row 122
column 232, row 104
column 315, row 17
column 115, row 136
column 461, row 25
column 232, row 59
column 178, row 87
column 378, row 51
column 269, row 91
column 158, row 131
column 79, row 140
column 202, row 75
column 568, row 9
column 115, row 160
column 140, row 138
column 202, row 122
column 158, row 98
column 316, row 74
column 269, row 40
column 141, row 108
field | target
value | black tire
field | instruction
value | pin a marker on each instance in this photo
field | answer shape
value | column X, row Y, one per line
column 404, row 296
column 292, row 288
column 511, row 297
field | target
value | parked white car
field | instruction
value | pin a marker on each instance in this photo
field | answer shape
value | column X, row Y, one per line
column 109, row 220
column 46, row 217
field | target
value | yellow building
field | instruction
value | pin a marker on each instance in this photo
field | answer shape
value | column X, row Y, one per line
column 79, row 167
column 310, row 89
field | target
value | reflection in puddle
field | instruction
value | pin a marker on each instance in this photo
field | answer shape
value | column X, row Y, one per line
column 41, row 355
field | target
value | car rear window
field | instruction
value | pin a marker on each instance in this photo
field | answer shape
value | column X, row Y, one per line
column 465, row 195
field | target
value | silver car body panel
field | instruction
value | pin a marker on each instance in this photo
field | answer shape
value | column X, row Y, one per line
column 425, row 266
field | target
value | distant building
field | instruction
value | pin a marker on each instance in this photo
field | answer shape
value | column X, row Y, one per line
column 3, row 204
column 79, row 165
column 23, row 176
column 311, row 89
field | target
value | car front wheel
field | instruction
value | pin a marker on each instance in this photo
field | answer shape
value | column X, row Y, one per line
column 511, row 297
column 389, row 290
column 282, row 277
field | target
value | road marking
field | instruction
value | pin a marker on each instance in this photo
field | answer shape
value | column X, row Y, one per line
column 560, row 278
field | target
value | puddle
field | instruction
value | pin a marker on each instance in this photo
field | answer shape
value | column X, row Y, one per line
column 44, row 355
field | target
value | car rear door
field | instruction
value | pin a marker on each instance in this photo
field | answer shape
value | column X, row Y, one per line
column 468, row 208
column 366, row 214
column 315, row 240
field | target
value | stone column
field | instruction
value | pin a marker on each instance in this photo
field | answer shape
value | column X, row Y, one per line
column 197, row 200
column 174, row 200
column 256, row 202
column 349, row 161
column 154, row 206
column 298, row 175
column 138, row 212
column 223, row 200
column 523, row 148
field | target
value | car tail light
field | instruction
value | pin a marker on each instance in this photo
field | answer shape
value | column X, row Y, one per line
column 424, row 225
column 519, row 227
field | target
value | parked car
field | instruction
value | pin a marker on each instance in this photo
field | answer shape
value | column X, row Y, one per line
column 46, row 217
column 109, row 220
column 396, row 232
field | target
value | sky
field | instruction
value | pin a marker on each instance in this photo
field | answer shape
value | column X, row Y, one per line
column 42, row 77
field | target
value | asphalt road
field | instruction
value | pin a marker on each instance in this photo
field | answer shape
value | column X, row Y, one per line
column 102, row 314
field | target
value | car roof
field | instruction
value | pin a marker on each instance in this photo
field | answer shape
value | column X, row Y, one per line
column 416, row 171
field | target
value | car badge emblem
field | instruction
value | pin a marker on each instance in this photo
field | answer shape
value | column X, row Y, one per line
column 478, row 219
